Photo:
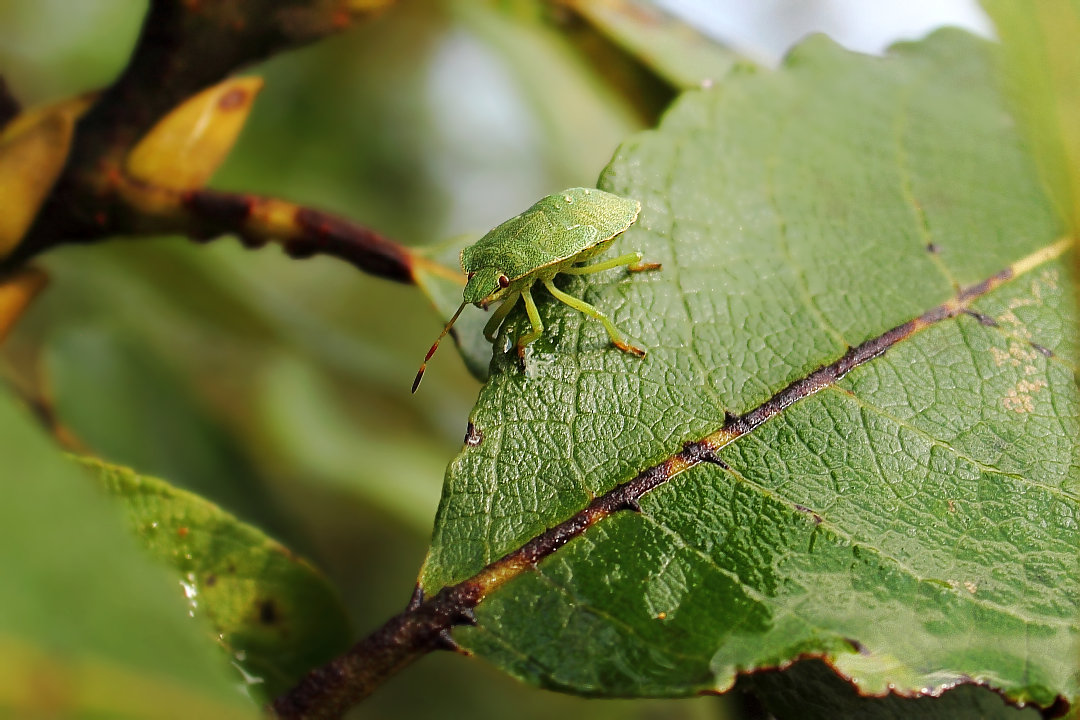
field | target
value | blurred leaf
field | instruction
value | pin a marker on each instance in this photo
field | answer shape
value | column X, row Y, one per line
column 186, row 146
column 1042, row 69
column 33, row 149
column 88, row 627
column 130, row 405
column 674, row 50
column 915, row 524
column 306, row 423
column 274, row 613
column 16, row 293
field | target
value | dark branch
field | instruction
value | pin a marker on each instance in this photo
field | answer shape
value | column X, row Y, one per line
column 183, row 48
column 302, row 231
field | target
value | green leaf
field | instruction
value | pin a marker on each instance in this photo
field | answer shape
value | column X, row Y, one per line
column 306, row 420
column 1042, row 64
column 913, row 523
column 127, row 402
column 273, row 613
column 88, row 626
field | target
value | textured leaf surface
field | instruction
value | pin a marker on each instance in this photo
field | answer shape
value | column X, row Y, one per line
column 274, row 614
column 914, row 524
column 88, row 627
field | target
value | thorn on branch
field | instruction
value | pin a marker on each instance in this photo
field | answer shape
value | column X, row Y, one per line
column 447, row 642
column 465, row 616
column 416, row 599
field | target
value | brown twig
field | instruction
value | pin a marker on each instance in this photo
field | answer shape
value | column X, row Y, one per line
column 183, row 48
column 302, row 231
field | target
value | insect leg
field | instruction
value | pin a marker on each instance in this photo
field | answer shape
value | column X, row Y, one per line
column 499, row 315
column 582, row 306
column 534, row 318
column 631, row 260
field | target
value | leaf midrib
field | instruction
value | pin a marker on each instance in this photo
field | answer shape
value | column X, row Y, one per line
column 950, row 310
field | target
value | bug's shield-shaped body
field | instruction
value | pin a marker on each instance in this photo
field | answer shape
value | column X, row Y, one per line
column 573, row 225
column 556, row 235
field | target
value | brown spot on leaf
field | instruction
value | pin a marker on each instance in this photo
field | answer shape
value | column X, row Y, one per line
column 473, row 436
column 233, row 100
column 857, row 646
column 210, row 580
column 268, row 612
column 182, row 531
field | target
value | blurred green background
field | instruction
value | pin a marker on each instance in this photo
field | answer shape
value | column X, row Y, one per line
column 280, row 388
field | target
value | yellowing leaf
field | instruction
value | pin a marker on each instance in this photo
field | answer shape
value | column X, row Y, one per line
column 33, row 149
column 16, row 292
column 184, row 149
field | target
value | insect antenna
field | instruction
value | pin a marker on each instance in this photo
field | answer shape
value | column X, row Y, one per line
column 434, row 345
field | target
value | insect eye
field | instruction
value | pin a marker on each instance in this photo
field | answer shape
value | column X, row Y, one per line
column 504, row 281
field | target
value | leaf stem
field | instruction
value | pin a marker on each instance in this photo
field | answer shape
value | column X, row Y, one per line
column 328, row 691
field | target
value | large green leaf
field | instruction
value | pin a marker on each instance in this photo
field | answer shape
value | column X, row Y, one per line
column 914, row 523
column 89, row 628
column 274, row 613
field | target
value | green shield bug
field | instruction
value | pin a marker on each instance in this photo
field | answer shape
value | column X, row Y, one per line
column 558, row 234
